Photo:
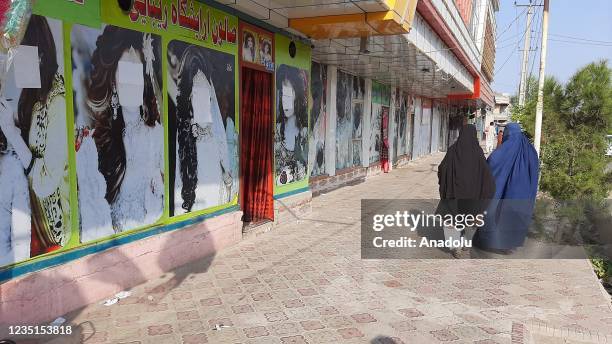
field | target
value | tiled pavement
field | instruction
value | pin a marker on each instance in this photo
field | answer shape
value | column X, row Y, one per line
column 305, row 283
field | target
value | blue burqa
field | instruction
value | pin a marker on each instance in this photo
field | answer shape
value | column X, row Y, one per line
column 515, row 167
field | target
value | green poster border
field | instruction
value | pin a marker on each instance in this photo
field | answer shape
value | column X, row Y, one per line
column 113, row 15
column 87, row 13
column 302, row 60
column 165, row 41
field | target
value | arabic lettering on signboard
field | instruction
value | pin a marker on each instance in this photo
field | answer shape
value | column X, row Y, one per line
column 186, row 15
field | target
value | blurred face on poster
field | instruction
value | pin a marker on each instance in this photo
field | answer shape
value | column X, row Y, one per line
column 130, row 79
column 288, row 99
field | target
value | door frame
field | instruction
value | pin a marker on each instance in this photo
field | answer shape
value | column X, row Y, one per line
column 259, row 32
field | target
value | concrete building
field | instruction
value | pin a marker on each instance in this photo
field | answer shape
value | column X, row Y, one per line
column 244, row 110
column 503, row 108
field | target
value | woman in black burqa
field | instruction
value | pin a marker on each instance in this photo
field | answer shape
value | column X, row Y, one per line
column 465, row 180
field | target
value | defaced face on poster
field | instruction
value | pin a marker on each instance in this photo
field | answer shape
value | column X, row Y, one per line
column 203, row 137
column 118, row 129
column 291, row 139
column 34, row 187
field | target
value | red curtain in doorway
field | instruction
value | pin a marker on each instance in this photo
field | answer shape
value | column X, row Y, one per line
column 257, row 130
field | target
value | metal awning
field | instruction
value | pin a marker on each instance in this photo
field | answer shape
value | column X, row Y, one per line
column 322, row 19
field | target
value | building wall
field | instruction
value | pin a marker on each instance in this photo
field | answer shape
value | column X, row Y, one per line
column 465, row 10
column 134, row 174
column 180, row 218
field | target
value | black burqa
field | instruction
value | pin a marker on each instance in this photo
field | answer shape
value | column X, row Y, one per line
column 466, row 182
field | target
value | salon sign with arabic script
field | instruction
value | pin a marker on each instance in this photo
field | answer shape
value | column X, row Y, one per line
column 188, row 18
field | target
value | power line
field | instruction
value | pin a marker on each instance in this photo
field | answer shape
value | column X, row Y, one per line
column 581, row 43
column 511, row 54
column 510, row 25
column 539, row 29
column 581, row 39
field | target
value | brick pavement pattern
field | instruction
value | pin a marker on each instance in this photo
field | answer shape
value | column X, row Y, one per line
column 305, row 283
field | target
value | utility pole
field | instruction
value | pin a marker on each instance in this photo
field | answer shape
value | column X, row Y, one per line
column 540, row 105
column 526, row 48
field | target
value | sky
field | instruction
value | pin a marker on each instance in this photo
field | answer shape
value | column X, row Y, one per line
column 585, row 19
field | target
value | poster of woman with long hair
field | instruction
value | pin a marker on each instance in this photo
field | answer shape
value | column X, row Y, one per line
column 316, row 157
column 291, row 139
column 119, row 135
column 265, row 50
column 203, row 134
column 249, row 49
column 34, row 186
column 344, row 125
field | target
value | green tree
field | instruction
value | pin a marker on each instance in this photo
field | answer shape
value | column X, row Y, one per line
column 576, row 119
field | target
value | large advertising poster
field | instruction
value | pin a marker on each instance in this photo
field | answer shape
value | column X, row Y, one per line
column 318, row 120
column 291, row 115
column 291, row 137
column 34, row 173
column 349, row 112
column 119, row 135
column 256, row 47
column 203, row 141
column 82, row 146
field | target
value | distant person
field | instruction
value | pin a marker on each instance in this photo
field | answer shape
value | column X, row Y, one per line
column 490, row 137
column 515, row 167
column 500, row 136
column 465, row 180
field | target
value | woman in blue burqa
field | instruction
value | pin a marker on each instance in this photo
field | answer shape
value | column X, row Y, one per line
column 515, row 167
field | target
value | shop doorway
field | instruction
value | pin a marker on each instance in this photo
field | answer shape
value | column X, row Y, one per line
column 256, row 146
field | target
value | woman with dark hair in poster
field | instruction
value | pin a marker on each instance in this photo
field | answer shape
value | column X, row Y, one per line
column 344, row 127
column 38, row 140
column 291, row 139
column 203, row 167
column 248, row 47
column 316, row 157
column 265, row 51
column 123, row 95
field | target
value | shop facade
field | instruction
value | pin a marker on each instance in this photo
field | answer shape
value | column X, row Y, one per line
column 166, row 132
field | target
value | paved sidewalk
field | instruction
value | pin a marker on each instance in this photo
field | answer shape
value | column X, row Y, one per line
column 305, row 283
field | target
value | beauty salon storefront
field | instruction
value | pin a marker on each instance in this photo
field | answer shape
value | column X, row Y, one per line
column 155, row 133
column 132, row 121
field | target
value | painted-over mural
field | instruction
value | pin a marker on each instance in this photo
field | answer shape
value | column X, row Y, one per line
column 381, row 99
column 349, row 115
column 119, row 136
column 203, row 141
column 401, row 122
column 318, row 120
column 34, row 177
column 291, row 136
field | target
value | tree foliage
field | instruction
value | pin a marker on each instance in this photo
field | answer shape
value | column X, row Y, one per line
column 577, row 117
